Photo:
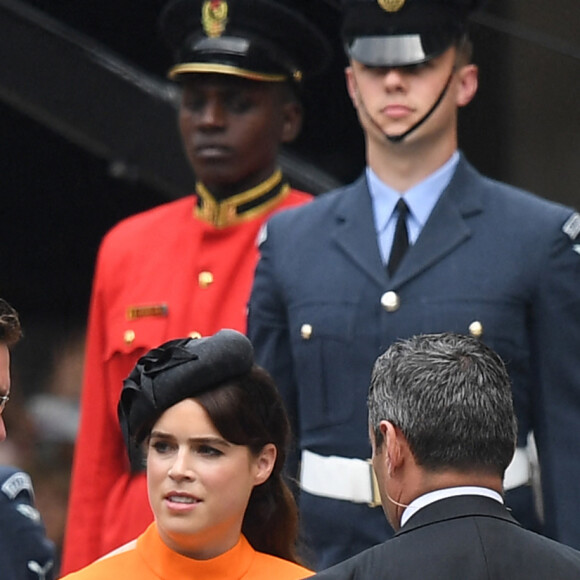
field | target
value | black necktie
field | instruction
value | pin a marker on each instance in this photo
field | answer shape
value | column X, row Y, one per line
column 401, row 239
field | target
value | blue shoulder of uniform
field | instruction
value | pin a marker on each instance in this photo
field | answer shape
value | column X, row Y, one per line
column 14, row 483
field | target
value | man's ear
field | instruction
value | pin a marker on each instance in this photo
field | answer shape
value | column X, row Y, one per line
column 468, row 76
column 291, row 121
column 393, row 446
column 351, row 85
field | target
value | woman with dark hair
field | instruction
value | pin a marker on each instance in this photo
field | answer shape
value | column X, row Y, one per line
column 215, row 433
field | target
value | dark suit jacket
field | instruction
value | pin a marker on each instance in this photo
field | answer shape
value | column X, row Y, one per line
column 488, row 253
column 462, row 538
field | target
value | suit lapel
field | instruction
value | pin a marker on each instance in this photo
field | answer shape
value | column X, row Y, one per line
column 355, row 233
column 446, row 227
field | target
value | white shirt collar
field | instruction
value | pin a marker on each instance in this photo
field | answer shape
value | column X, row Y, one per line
column 433, row 496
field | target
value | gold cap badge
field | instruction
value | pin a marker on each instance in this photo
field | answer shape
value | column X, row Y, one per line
column 214, row 17
column 391, row 5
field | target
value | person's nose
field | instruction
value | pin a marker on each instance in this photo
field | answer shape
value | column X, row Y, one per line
column 213, row 115
column 182, row 468
column 394, row 79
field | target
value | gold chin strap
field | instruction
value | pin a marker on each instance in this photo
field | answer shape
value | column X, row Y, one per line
column 243, row 206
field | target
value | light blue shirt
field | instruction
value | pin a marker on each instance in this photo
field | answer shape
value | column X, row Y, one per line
column 420, row 199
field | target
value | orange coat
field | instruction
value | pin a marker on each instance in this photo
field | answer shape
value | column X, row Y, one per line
column 182, row 268
column 149, row 558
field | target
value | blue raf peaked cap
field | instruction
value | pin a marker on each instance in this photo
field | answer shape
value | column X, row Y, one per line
column 403, row 32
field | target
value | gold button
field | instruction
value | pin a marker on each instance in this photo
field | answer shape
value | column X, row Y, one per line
column 195, row 334
column 205, row 279
column 306, row 331
column 390, row 301
column 129, row 336
column 476, row 329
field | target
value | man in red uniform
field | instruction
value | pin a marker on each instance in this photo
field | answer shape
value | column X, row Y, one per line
column 186, row 267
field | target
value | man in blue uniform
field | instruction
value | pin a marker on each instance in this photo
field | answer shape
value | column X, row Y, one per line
column 340, row 280
column 25, row 552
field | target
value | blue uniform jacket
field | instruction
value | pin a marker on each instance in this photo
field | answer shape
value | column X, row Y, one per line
column 489, row 254
column 25, row 552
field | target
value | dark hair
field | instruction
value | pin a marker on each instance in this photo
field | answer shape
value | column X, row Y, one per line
column 450, row 396
column 249, row 411
column 10, row 330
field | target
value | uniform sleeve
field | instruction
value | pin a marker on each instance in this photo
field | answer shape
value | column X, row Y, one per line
column 25, row 552
column 556, row 360
column 99, row 457
column 268, row 330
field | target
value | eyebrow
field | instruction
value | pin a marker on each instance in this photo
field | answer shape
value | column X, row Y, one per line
column 209, row 440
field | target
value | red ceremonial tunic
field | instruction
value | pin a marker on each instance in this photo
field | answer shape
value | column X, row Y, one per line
column 149, row 558
column 182, row 269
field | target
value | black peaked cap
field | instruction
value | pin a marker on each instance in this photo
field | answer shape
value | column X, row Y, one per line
column 257, row 39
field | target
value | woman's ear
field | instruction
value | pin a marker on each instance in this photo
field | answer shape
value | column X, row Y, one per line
column 264, row 463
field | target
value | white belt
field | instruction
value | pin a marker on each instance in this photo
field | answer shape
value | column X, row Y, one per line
column 343, row 478
column 354, row 480
column 518, row 472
